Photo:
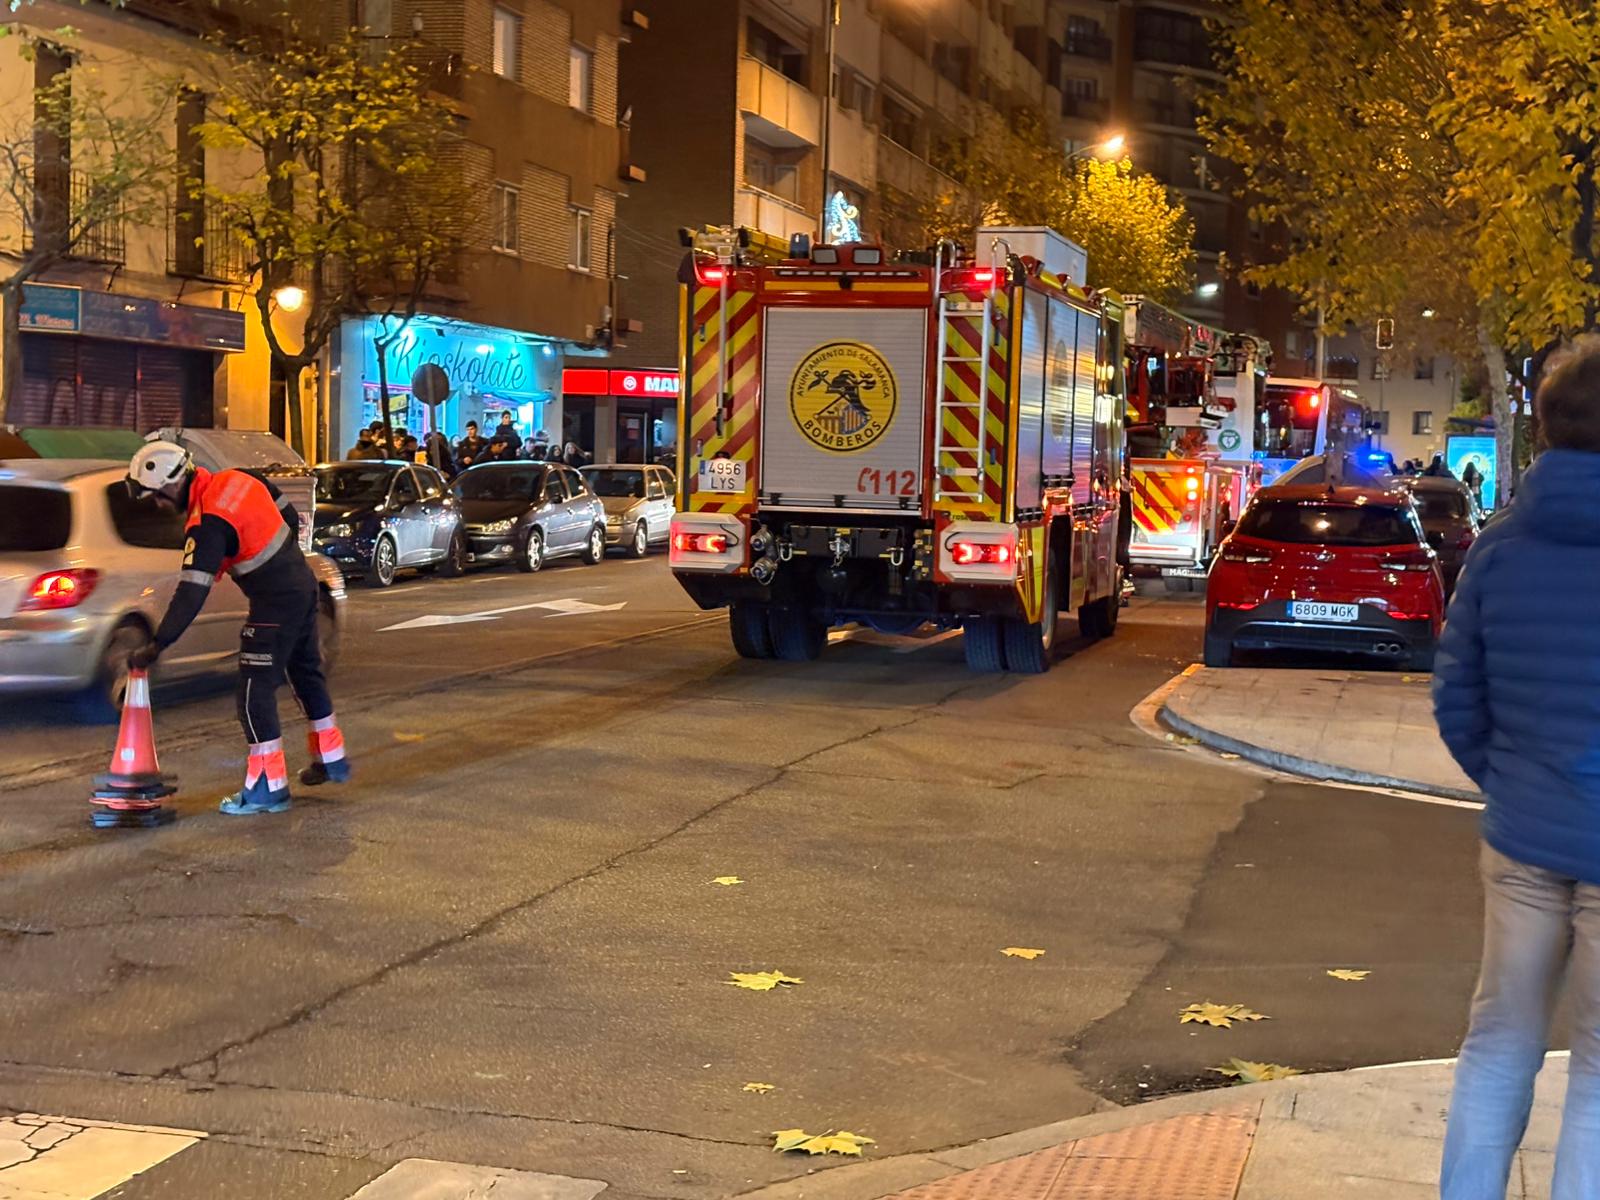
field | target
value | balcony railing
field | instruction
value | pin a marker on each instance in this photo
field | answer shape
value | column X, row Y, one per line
column 777, row 110
column 200, row 245
column 1179, row 114
column 87, row 223
column 1085, row 108
column 1175, row 52
column 772, row 214
column 1088, row 45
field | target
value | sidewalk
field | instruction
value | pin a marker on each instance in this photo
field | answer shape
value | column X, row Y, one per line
column 1373, row 1134
column 1370, row 728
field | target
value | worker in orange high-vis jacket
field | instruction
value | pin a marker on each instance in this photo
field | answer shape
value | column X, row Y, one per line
column 239, row 523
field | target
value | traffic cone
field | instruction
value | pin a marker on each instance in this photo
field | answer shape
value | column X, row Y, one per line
column 130, row 792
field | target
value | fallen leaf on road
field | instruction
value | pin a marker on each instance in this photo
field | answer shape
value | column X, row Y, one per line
column 1242, row 1071
column 1349, row 976
column 1228, row 755
column 1222, row 1016
column 1021, row 952
column 843, row 1142
column 727, row 880
column 1183, row 739
column 760, row 981
column 760, row 1089
column 409, row 737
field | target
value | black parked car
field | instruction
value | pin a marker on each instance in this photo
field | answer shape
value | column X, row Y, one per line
column 528, row 512
column 376, row 519
column 1451, row 519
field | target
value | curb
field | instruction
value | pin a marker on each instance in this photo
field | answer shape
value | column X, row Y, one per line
column 1280, row 760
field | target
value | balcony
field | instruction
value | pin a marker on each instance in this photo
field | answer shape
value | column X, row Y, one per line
column 1086, row 108
column 200, row 245
column 853, row 152
column 1096, row 46
column 91, row 225
column 902, row 170
column 1174, row 113
column 777, row 110
column 1175, row 52
column 771, row 214
column 908, row 72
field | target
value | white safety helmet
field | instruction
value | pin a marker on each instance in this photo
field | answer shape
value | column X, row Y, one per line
column 160, row 468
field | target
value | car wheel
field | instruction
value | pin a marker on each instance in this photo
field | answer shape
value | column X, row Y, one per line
column 455, row 557
column 1098, row 619
column 101, row 702
column 530, row 556
column 595, row 548
column 327, row 630
column 385, row 562
column 797, row 636
column 752, row 635
column 641, row 540
column 1028, row 643
column 980, row 638
column 1218, row 650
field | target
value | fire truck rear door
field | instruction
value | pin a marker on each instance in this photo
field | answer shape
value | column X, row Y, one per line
column 843, row 396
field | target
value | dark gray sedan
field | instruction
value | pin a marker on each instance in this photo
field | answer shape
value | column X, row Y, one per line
column 1450, row 518
column 527, row 513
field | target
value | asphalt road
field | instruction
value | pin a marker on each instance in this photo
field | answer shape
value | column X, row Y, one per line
column 501, row 944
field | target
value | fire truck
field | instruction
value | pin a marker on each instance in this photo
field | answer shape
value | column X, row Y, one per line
column 1189, row 438
column 900, row 444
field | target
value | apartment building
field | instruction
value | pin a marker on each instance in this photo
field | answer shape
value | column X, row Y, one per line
column 534, row 84
column 730, row 118
column 136, row 326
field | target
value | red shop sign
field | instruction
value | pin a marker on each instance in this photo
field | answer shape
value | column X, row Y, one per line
column 644, row 383
column 585, row 381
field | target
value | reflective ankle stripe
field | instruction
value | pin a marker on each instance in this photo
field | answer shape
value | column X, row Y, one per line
column 266, row 758
column 325, row 741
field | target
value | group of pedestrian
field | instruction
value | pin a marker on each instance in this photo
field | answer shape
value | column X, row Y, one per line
column 1434, row 469
column 504, row 444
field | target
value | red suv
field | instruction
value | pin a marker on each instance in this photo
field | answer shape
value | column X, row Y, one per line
column 1319, row 568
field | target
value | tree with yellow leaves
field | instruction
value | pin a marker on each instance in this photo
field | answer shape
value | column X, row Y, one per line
column 1139, row 238
column 1430, row 156
column 356, row 198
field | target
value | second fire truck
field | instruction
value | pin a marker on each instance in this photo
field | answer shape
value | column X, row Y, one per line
column 901, row 444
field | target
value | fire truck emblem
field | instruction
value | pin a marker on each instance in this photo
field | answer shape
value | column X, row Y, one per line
column 843, row 397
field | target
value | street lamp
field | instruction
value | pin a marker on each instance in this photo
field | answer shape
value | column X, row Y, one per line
column 290, row 298
column 1208, row 291
column 1110, row 148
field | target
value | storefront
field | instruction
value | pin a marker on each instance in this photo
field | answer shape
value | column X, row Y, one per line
column 108, row 359
column 632, row 415
column 491, row 370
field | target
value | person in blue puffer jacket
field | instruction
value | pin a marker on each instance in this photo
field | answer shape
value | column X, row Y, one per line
column 1516, row 692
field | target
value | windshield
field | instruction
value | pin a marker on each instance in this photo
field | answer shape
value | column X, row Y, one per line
column 1313, row 524
column 498, row 483
column 1441, row 506
column 616, row 483
column 354, row 484
column 34, row 518
column 1286, row 422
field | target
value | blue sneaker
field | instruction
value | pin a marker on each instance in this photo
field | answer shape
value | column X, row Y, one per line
column 321, row 772
column 256, row 798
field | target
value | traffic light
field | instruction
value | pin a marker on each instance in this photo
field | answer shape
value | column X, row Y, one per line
column 1385, row 333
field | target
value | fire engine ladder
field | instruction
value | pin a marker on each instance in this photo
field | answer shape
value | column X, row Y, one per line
column 967, row 487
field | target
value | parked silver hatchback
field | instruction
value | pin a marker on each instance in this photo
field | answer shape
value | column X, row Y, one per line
column 85, row 575
column 639, row 504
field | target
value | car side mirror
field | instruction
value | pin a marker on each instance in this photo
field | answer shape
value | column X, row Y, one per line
column 1436, row 540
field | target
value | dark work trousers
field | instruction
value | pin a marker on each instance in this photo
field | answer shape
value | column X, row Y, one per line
column 280, row 638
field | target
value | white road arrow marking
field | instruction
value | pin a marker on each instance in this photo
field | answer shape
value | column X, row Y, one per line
column 559, row 608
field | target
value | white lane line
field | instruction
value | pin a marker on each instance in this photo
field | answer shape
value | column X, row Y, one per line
column 68, row 1158
column 413, row 1178
column 564, row 607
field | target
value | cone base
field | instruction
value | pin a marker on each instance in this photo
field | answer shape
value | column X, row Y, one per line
column 142, row 818
column 111, row 781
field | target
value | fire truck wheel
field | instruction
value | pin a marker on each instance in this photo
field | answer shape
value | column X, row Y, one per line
column 1028, row 643
column 980, row 637
column 797, row 636
column 752, row 636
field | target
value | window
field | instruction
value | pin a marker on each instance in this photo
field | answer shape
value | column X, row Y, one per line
column 432, row 483
column 771, row 170
column 504, row 217
column 555, row 488
column 1421, row 423
column 1424, row 369
column 1301, row 523
column 1342, row 366
column 405, row 488
column 582, row 224
column 141, row 524
column 899, row 124
column 34, row 519
column 772, row 48
column 580, row 78
column 507, row 43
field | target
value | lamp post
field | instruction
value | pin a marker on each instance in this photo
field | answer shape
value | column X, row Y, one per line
column 1111, row 147
column 830, row 30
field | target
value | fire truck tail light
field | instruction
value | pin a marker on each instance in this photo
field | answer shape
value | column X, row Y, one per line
column 700, row 543
column 713, row 274
column 60, row 589
column 966, row 554
column 984, row 278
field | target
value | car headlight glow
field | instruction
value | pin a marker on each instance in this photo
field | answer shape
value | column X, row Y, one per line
column 505, row 526
column 342, row 530
column 614, row 519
